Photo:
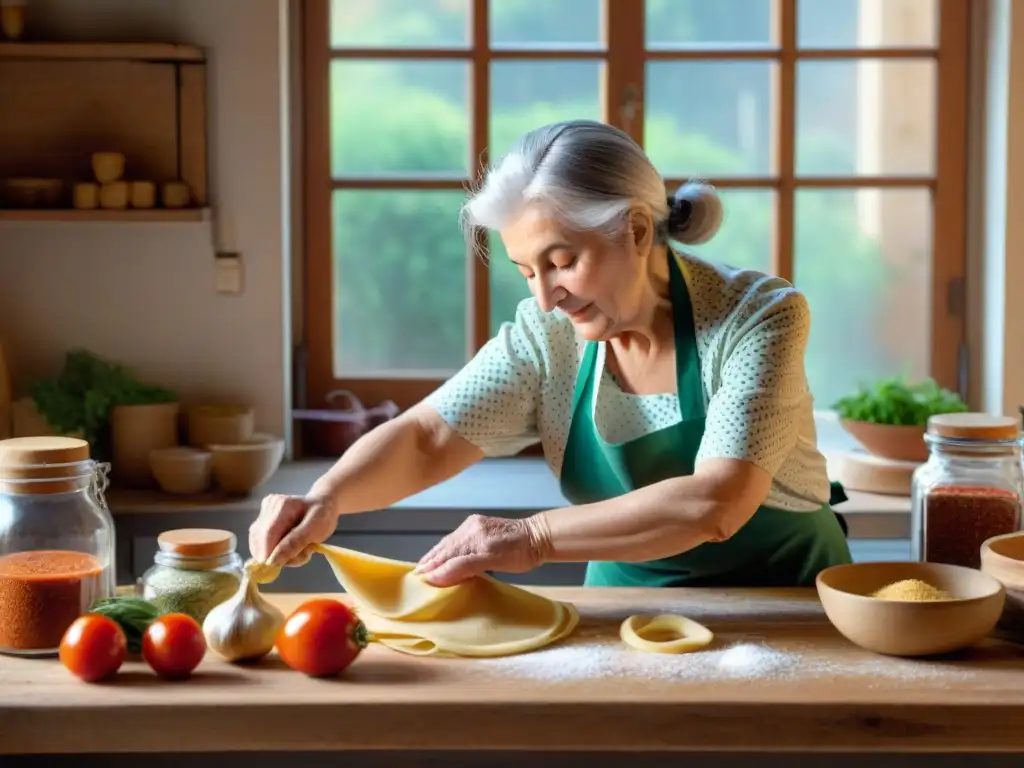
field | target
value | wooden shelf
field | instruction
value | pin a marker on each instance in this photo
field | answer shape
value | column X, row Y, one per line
column 103, row 51
column 62, row 102
column 154, row 215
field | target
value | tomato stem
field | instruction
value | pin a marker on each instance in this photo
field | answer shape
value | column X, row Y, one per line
column 360, row 634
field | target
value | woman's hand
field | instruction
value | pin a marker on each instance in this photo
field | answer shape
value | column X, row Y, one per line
column 288, row 527
column 483, row 544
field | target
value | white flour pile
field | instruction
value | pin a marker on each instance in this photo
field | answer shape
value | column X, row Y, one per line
column 750, row 661
column 592, row 660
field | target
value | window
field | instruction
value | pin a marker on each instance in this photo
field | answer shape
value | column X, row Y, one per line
column 835, row 129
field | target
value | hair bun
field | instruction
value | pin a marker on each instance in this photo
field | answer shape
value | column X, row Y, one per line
column 695, row 213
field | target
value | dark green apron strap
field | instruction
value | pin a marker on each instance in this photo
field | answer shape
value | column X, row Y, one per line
column 837, row 495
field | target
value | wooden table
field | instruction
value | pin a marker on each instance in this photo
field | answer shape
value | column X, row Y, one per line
column 586, row 694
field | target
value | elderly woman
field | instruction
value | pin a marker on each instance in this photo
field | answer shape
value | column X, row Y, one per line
column 669, row 394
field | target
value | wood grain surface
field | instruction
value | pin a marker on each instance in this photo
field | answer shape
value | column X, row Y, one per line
column 587, row 694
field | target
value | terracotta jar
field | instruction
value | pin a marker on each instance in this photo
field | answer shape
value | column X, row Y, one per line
column 135, row 431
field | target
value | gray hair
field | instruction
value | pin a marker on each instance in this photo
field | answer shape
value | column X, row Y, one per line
column 589, row 174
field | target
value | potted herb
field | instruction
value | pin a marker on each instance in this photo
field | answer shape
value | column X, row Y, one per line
column 890, row 416
column 82, row 398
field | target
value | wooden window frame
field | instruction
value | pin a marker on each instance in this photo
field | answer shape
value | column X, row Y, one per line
column 624, row 58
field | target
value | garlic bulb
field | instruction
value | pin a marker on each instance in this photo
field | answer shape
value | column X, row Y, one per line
column 244, row 627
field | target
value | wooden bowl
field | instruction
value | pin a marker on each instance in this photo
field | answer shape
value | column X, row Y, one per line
column 906, row 628
column 32, row 193
column 886, row 441
column 1002, row 558
column 181, row 470
column 220, row 424
column 240, row 469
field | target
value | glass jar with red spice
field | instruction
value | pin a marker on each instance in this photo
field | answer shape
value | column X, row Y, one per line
column 56, row 541
column 969, row 489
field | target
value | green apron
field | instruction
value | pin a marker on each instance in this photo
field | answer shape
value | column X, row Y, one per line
column 774, row 548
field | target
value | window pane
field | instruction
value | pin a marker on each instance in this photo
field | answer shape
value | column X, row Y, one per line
column 532, row 24
column 710, row 118
column 528, row 94
column 863, row 259
column 873, row 117
column 867, row 23
column 508, row 286
column 400, row 118
column 746, row 238
column 690, row 23
column 400, row 23
column 399, row 283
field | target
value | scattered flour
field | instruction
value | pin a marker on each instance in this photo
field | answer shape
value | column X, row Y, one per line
column 595, row 653
column 583, row 660
column 752, row 660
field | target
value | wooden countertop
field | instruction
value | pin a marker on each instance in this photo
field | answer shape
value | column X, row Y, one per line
column 589, row 693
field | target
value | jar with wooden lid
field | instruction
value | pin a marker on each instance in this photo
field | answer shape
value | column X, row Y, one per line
column 194, row 570
column 56, row 541
column 969, row 489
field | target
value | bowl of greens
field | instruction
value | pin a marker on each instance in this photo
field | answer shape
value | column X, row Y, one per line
column 889, row 417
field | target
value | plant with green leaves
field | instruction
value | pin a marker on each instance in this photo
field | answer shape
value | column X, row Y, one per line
column 82, row 396
column 132, row 614
column 894, row 401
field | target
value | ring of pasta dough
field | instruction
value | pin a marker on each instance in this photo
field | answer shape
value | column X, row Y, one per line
column 665, row 633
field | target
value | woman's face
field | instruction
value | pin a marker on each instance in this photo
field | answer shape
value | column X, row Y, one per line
column 601, row 284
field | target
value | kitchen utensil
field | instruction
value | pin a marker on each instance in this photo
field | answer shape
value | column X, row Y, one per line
column 114, row 195
column 859, row 470
column 176, row 194
column 240, row 469
column 87, row 195
column 221, row 424
column 897, row 442
column 32, row 193
column 181, row 469
column 1002, row 558
column 136, row 430
column 12, row 19
column 143, row 194
column 107, row 166
column 905, row 628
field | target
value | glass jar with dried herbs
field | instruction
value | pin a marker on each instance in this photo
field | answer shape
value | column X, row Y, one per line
column 194, row 570
column 969, row 489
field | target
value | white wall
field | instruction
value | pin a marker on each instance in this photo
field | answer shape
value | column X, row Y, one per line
column 996, row 236
column 144, row 293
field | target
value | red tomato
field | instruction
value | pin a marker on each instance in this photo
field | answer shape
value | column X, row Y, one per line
column 93, row 647
column 173, row 645
column 322, row 637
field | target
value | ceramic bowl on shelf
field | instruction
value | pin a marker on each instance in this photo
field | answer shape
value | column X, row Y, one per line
column 1002, row 558
column 905, row 627
column 181, row 470
column 239, row 469
column 32, row 193
column 220, row 424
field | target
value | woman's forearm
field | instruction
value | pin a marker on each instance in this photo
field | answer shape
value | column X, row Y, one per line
column 656, row 521
column 396, row 460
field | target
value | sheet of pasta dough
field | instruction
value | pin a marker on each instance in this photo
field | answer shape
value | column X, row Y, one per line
column 480, row 617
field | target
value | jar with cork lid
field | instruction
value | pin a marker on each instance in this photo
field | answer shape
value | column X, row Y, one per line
column 969, row 489
column 56, row 541
column 194, row 570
